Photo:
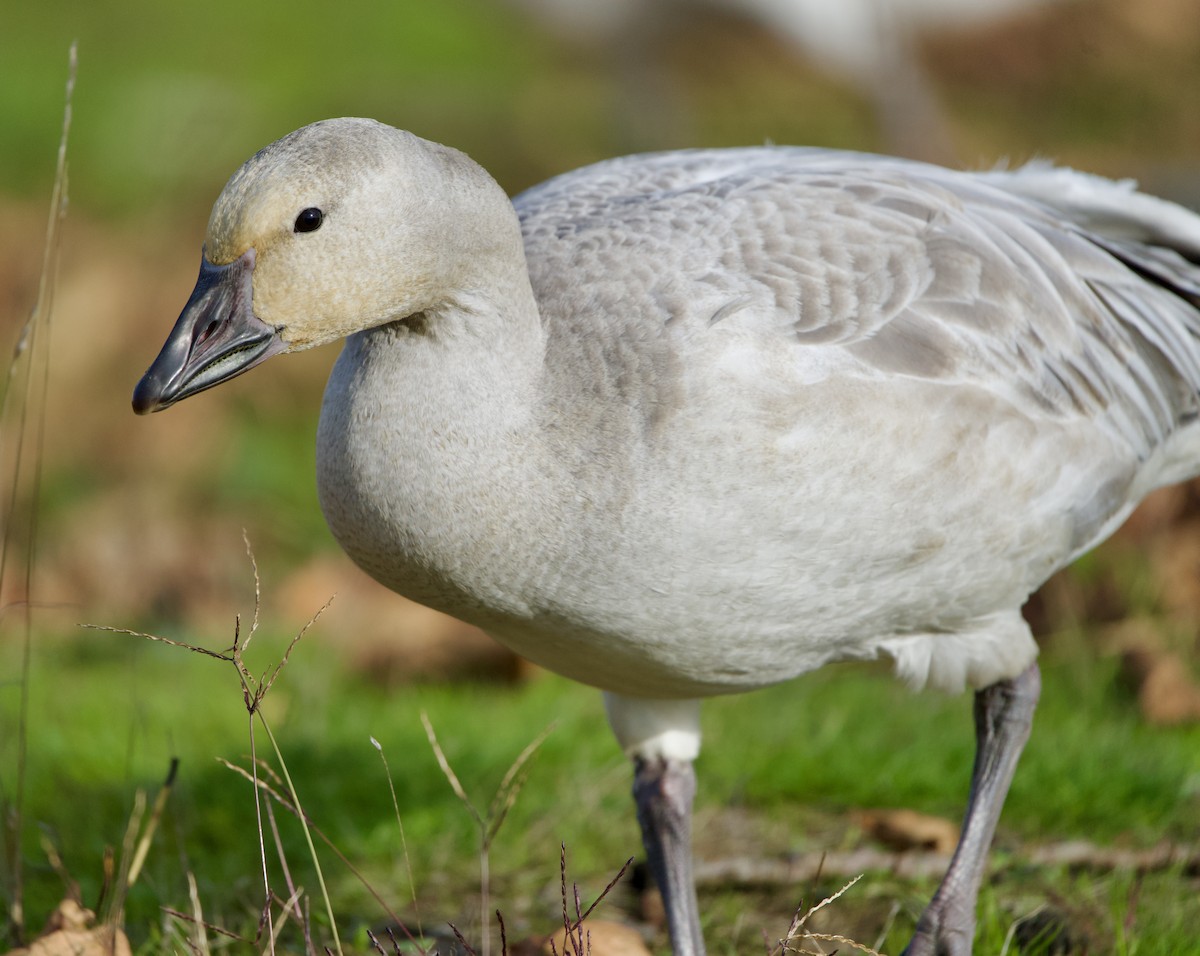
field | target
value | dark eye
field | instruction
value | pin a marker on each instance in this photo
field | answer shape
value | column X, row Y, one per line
column 309, row 220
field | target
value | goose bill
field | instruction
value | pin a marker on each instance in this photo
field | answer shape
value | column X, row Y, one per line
column 216, row 337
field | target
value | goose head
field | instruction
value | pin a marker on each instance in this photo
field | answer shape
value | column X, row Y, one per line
column 341, row 226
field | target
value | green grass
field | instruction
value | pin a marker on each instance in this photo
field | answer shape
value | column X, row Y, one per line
column 109, row 711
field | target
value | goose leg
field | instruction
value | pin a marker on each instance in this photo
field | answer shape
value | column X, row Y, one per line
column 1003, row 716
column 663, row 788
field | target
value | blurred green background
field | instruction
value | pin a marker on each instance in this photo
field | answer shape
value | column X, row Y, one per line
column 171, row 98
column 140, row 520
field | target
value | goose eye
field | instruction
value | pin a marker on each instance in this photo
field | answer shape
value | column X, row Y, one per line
column 309, row 220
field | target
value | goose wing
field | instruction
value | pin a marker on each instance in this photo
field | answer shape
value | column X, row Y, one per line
column 1064, row 294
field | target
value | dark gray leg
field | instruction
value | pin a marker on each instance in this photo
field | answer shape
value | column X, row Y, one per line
column 1003, row 716
column 663, row 789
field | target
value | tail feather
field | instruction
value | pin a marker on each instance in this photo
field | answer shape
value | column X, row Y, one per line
column 1112, row 210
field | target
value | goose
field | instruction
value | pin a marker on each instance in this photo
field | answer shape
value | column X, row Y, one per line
column 874, row 46
column 691, row 423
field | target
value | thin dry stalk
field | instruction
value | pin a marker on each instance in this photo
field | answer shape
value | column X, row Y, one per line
column 286, row 907
column 200, row 942
column 115, row 911
column 156, row 812
column 108, row 868
column 254, row 691
column 489, row 825
column 412, row 884
column 287, row 878
column 484, row 837
column 257, row 588
column 283, row 800
column 70, row 886
column 462, row 940
column 513, row 781
column 304, row 826
column 213, row 927
column 396, row 950
column 562, row 895
column 39, row 318
column 1131, row 908
column 225, row 655
column 279, row 854
column 887, row 924
column 266, row 918
column 275, row 794
column 448, row 771
column 1009, row 935
column 797, row 931
column 607, row 889
column 191, row 947
column 573, row 928
column 277, row 780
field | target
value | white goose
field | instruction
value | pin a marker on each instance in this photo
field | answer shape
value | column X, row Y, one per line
column 691, row 423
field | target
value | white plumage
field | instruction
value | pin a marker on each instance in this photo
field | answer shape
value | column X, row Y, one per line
column 691, row 423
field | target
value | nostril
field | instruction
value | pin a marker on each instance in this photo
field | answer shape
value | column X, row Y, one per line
column 208, row 332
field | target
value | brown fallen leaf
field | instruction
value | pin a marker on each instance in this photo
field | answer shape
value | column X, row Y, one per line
column 69, row 914
column 909, row 830
column 1167, row 691
column 601, row 938
column 98, row 941
column 69, row 932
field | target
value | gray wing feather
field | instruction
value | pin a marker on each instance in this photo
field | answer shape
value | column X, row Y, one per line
column 1066, row 294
